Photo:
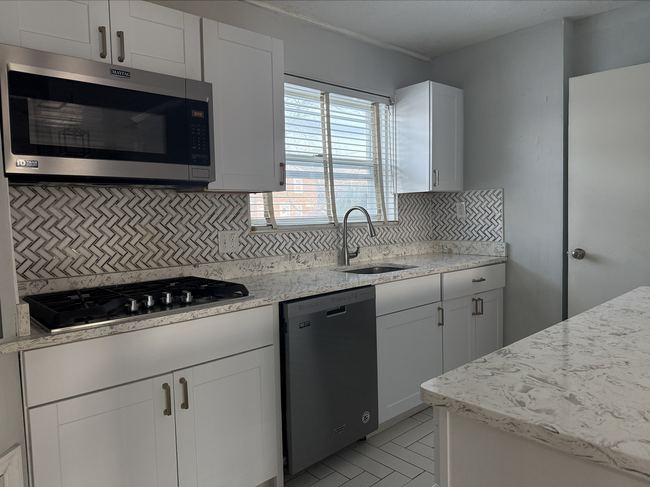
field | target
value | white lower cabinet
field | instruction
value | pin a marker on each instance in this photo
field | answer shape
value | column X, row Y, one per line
column 223, row 435
column 211, row 424
column 409, row 342
column 472, row 303
column 116, row 437
column 409, row 347
column 473, row 327
column 420, row 336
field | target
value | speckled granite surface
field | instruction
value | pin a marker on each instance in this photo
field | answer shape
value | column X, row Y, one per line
column 581, row 386
column 267, row 288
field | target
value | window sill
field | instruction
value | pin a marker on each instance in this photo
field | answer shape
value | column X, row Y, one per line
column 318, row 227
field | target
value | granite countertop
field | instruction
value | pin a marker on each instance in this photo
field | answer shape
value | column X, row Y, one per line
column 270, row 289
column 581, row 386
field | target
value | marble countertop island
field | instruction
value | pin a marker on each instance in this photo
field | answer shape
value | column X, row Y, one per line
column 266, row 287
column 581, row 386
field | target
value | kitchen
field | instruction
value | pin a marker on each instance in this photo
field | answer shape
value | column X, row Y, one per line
column 530, row 63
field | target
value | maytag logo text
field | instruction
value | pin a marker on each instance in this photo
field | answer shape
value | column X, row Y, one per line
column 120, row 73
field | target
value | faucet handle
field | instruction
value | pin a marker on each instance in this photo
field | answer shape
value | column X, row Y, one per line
column 354, row 254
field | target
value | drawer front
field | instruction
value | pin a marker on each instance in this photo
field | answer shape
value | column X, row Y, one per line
column 472, row 281
column 406, row 294
column 62, row 371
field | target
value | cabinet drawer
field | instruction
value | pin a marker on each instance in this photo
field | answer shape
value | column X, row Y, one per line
column 472, row 281
column 409, row 293
column 68, row 370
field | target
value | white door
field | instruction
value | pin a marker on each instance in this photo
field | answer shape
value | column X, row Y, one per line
column 227, row 432
column 409, row 352
column 119, row 437
column 609, row 175
column 64, row 27
column 154, row 38
column 458, row 332
column 489, row 322
column 246, row 70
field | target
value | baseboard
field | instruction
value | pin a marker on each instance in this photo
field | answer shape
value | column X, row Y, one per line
column 400, row 417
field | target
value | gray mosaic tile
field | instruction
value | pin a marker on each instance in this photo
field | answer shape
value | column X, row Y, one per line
column 63, row 231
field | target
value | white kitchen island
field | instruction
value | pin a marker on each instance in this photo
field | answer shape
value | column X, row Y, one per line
column 568, row 406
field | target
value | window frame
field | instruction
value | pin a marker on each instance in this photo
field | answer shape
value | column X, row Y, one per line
column 389, row 214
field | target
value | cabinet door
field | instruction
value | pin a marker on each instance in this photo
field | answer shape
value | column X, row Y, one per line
column 458, row 332
column 117, row 437
column 59, row 26
column 409, row 352
column 447, row 138
column 155, row 38
column 247, row 75
column 489, row 324
column 227, row 432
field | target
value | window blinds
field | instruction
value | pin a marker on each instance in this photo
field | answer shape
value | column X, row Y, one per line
column 339, row 154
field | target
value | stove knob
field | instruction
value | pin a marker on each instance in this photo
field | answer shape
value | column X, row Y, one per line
column 186, row 297
column 149, row 301
column 132, row 305
column 167, row 299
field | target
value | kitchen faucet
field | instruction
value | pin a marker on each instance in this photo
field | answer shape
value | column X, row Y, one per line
column 346, row 255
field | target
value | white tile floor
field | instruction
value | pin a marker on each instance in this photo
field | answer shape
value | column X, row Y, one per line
column 401, row 456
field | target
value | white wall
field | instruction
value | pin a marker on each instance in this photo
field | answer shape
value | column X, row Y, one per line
column 314, row 52
column 514, row 139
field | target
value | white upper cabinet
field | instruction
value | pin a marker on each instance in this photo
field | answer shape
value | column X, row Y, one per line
column 246, row 70
column 429, row 138
column 63, row 27
column 130, row 33
column 155, row 38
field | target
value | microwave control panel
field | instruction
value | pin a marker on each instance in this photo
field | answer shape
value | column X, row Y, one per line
column 198, row 133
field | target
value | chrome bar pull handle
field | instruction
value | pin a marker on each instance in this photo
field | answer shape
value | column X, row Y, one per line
column 442, row 316
column 481, row 301
column 168, row 396
column 475, row 312
column 283, row 170
column 103, row 54
column 186, row 399
column 436, row 181
column 480, row 279
column 120, row 34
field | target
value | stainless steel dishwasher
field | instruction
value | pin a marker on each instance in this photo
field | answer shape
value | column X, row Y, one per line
column 329, row 374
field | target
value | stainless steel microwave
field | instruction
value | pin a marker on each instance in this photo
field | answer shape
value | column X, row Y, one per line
column 66, row 119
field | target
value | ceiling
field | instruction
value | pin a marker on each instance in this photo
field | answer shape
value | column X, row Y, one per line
column 428, row 28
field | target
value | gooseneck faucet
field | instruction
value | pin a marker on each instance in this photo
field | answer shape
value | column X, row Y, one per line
column 346, row 255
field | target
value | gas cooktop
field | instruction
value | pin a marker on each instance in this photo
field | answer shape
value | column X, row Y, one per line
column 83, row 308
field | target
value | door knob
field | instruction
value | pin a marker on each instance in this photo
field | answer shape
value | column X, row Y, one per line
column 578, row 254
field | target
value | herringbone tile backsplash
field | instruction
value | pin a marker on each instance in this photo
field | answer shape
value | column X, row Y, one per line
column 73, row 231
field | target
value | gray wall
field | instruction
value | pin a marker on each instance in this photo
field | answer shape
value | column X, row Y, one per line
column 514, row 139
column 611, row 40
column 315, row 52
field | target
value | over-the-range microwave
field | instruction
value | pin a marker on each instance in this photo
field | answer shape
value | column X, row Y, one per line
column 66, row 119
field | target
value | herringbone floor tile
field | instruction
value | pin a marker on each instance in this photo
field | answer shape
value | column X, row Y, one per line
column 396, row 457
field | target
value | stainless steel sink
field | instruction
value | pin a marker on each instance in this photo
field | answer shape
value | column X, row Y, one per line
column 380, row 269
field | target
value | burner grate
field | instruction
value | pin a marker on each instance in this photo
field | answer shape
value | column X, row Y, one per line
column 69, row 308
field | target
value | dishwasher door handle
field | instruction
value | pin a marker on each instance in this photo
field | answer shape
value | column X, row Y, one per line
column 336, row 312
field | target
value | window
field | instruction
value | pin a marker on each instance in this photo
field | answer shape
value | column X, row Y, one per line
column 339, row 154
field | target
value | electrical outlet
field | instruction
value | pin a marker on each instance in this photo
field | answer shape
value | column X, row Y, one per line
column 460, row 210
column 229, row 242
